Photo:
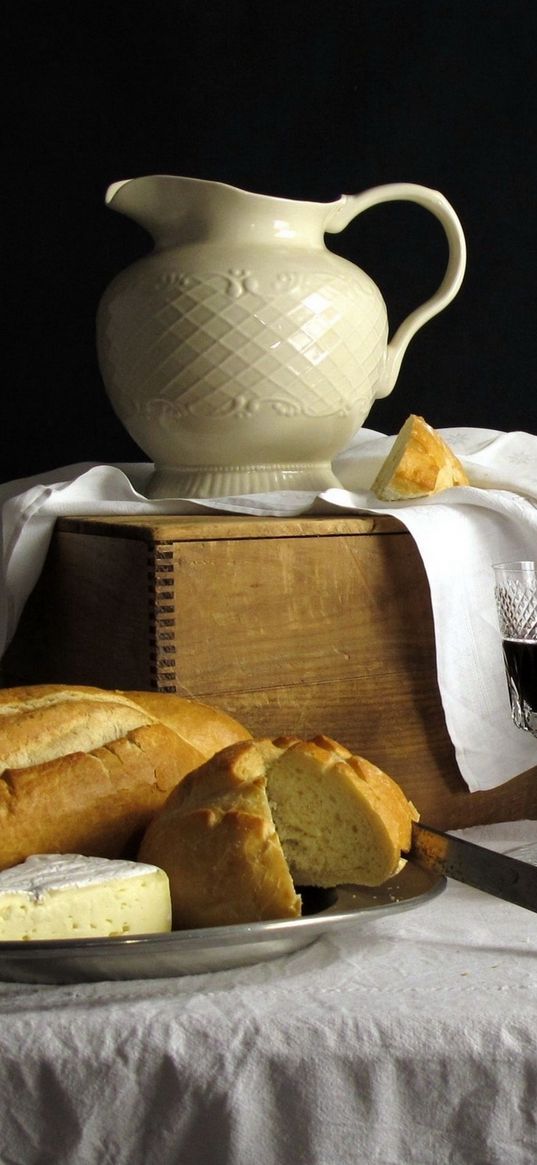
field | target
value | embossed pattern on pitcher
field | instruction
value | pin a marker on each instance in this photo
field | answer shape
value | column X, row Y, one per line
column 244, row 341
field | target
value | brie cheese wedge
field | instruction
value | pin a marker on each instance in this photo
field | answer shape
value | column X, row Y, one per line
column 59, row 896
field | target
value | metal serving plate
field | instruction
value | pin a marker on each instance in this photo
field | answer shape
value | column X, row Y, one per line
column 218, row 948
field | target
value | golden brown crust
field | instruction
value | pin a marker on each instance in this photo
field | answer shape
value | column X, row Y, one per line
column 85, row 769
column 420, row 463
column 217, row 842
column 30, row 692
column 35, row 731
column 260, row 817
column 208, row 728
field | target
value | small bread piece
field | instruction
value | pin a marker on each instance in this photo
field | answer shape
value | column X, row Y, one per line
column 239, row 834
column 418, row 464
column 83, row 769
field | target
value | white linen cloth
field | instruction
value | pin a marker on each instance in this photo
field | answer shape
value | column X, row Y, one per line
column 411, row 1040
column 459, row 534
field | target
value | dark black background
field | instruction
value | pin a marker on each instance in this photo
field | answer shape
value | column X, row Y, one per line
column 301, row 99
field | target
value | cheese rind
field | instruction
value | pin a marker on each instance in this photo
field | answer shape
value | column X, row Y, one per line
column 60, row 896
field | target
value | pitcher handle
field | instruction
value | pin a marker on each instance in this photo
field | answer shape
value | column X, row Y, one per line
column 352, row 205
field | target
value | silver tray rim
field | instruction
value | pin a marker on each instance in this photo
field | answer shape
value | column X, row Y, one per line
column 196, row 951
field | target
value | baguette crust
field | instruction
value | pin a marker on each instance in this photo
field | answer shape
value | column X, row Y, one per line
column 419, row 463
column 192, row 720
column 83, row 769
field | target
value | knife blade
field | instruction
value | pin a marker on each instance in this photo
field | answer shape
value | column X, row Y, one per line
column 484, row 869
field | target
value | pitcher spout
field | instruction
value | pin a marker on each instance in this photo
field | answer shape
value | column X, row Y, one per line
column 160, row 203
column 114, row 189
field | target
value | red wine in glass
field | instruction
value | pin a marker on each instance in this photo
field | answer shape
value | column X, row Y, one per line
column 520, row 656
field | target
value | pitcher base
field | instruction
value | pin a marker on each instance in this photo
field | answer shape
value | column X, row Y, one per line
column 220, row 481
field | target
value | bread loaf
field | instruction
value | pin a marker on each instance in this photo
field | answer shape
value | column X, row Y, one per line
column 419, row 463
column 259, row 819
column 83, row 770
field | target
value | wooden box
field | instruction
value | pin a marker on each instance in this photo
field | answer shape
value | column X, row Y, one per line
column 302, row 625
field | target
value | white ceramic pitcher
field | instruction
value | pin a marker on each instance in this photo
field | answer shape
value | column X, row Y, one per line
column 240, row 354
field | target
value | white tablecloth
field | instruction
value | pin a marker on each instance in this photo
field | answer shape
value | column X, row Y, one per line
column 412, row 1041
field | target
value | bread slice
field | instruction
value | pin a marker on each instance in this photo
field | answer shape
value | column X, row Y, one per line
column 419, row 463
column 242, row 832
column 83, row 770
column 339, row 818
